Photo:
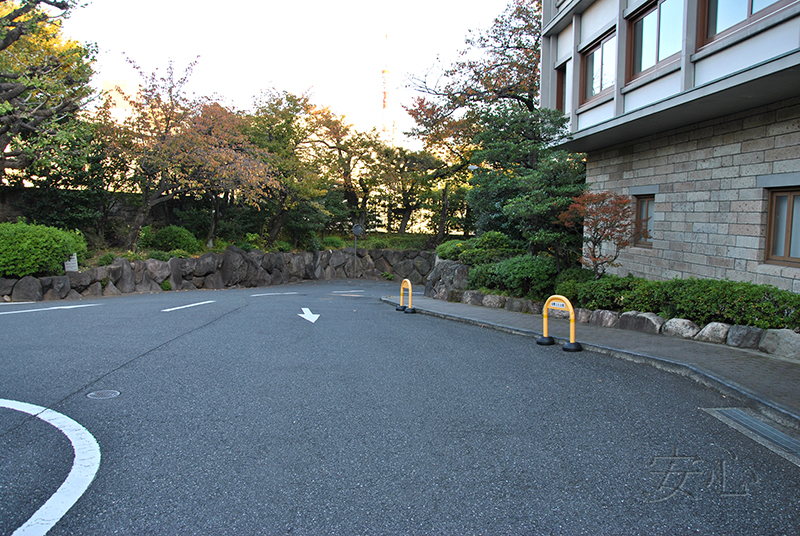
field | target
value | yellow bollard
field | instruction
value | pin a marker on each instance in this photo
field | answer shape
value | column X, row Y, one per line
column 401, row 307
column 559, row 302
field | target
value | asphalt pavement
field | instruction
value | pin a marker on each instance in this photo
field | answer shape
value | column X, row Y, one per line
column 769, row 384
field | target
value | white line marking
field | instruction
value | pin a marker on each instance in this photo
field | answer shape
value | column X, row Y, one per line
column 50, row 309
column 187, row 306
column 345, row 291
column 273, row 294
column 84, row 467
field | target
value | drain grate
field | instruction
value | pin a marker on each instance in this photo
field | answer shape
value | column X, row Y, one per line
column 102, row 395
column 758, row 430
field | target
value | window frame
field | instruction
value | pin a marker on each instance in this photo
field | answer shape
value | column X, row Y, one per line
column 635, row 17
column 785, row 259
column 561, row 88
column 640, row 220
column 703, row 19
column 594, row 47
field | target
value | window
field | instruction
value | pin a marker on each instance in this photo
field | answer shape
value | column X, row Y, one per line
column 561, row 89
column 783, row 243
column 722, row 15
column 600, row 66
column 643, row 235
column 656, row 35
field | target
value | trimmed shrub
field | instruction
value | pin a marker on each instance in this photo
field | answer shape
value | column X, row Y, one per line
column 36, row 249
column 106, row 259
column 451, row 249
column 158, row 255
column 568, row 281
column 179, row 253
column 521, row 276
column 475, row 257
column 169, row 238
column 493, row 240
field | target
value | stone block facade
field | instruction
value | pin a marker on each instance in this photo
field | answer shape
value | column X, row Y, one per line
column 710, row 206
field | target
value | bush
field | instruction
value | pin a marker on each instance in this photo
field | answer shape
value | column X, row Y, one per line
column 568, row 281
column 168, row 238
column 281, row 246
column 451, row 249
column 158, row 255
column 36, row 249
column 179, row 253
column 699, row 300
column 166, row 285
column 106, row 259
column 475, row 257
column 492, row 240
column 333, row 242
column 521, row 276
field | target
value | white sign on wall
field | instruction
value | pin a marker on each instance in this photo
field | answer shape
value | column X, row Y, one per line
column 72, row 264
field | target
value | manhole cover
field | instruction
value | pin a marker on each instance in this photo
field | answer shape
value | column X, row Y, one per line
column 101, row 395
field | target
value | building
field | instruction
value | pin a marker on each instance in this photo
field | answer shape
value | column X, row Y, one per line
column 692, row 107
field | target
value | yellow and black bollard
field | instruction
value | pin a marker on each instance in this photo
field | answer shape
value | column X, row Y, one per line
column 408, row 310
column 560, row 302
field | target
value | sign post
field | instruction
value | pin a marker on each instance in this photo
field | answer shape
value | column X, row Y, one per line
column 559, row 302
column 357, row 231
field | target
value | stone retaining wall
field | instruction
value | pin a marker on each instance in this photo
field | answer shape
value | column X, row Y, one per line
column 232, row 269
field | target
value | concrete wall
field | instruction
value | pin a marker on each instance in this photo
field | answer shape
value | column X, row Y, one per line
column 710, row 214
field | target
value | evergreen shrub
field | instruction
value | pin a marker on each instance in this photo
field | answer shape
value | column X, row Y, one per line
column 332, row 242
column 168, row 238
column 36, row 249
column 522, row 276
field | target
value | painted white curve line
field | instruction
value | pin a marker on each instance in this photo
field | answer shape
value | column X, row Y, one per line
column 50, row 308
column 273, row 294
column 187, row 306
column 84, row 467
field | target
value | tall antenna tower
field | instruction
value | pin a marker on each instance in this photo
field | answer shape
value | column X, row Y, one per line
column 385, row 78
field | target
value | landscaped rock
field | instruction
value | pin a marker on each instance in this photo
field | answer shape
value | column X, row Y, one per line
column 494, row 301
column 73, row 295
column 147, row 285
column 516, row 305
column 175, row 273
column 627, row 320
column 606, row 319
column 139, row 271
column 6, row 286
column 126, row 282
column 404, row 269
column 27, row 289
column 583, row 316
column 783, row 343
column 58, row 284
column 111, row 290
column 744, row 336
column 51, row 295
column 95, row 290
column 206, row 264
column 213, row 281
column 472, row 297
column 79, row 281
column 680, row 328
column 716, row 332
column 157, row 270
column 446, row 277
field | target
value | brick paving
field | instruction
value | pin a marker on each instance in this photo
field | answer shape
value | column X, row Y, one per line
column 768, row 384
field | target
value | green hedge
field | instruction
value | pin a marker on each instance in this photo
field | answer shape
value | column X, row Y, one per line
column 169, row 238
column 699, row 300
column 521, row 276
column 36, row 249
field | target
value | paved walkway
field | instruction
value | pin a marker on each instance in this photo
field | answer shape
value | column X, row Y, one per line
column 770, row 385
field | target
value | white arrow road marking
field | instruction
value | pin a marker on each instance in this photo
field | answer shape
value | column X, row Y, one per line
column 84, row 467
column 308, row 315
column 186, row 306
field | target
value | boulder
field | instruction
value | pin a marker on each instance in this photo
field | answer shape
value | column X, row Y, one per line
column 605, row 319
column 238, row 268
column 557, row 313
column 494, row 301
column 515, row 305
column 175, row 273
column 583, row 315
column 627, row 320
column 73, row 295
column 99, row 273
column 197, row 282
column 338, row 259
column 158, row 271
column 535, row 308
column 680, row 328
column 297, row 266
column 58, row 284
column 472, row 297
column 95, row 290
column 213, row 281
column 256, row 255
column 6, row 286
column 126, row 282
column 147, row 285
column 51, row 295
column 783, row 343
column 187, row 285
column 716, row 332
column 111, row 290
column 206, row 264
column 404, row 269
column 422, row 265
column 139, row 272
column 744, row 336
column 27, row 289
column 393, row 257
column 79, row 281
column 187, row 267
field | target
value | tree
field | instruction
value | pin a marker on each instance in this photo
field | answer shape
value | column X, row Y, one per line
column 406, row 180
column 44, row 78
column 605, row 221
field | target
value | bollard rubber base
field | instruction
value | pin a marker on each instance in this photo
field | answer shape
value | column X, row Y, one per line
column 545, row 341
column 572, row 347
column 410, row 311
column 400, row 308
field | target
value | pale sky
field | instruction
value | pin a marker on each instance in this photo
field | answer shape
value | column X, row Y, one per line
column 335, row 50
